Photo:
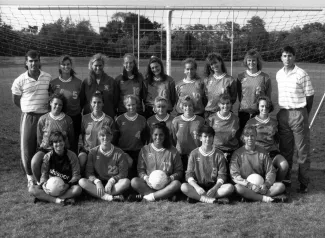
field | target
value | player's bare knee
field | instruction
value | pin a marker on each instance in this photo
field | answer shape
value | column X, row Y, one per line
column 185, row 187
column 229, row 188
column 83, row 182
column 135, row 182
column 76, row 190
column 240, row 189
column 125, row 183
column 176, row 184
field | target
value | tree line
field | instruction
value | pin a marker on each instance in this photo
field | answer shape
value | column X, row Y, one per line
column 120, row 35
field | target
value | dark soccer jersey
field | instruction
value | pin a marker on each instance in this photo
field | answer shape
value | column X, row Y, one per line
column 71, row 91
column 206, row 168
column 131, row 134
column 215, row 87
column 104, row 166
column 225, row 138
column 195, row 89
column 250, row 87
column 167, row 160
column 185, row 134
column 267, row 132
column 165, row 88
column 133, row 86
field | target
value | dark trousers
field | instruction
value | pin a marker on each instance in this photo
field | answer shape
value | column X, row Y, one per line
column 76, row 128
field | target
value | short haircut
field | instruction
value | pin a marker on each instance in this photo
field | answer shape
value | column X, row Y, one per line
column 186, row 99
column 190, row 61
column 211, row 59
column 159, row 99
column 54, row 136
column 207, row 130
column 130, row 97
column 61, row 97
column 288, row 49
column 248, row 130
column 253, row 53
column 105, row 130
column 269, row 103
column 94, row 58
column 162, row 126
column 64, row 58
column 224, row 97
column 32, row 54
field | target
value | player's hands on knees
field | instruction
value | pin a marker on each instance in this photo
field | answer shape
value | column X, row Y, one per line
column 100, row 189
column 199, row 190
column 213, row 191
column 264, row 189
column 254, row 187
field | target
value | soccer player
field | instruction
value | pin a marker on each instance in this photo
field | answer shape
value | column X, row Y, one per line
column 206, row 173
column 267, row 135
column 90, row 126
column 250, row 85
column 59, row 162
column 30, row 94
column 160, row 108
column 193, row 86
column 158, row 155
column 185, row 128
column 295, row 99
column 132, row 131
column 226, row 127
column 217, row 81
column 158, row 84
column 107, row 169
column 98, row 80
column 69, row 85
column 55, row 120
column 251, row 159
column 130, row 82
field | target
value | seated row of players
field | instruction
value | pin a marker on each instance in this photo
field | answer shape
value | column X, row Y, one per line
column 131, row 132
column 206, row 175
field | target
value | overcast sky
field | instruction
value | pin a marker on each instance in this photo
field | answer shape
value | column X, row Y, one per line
column 256, row 3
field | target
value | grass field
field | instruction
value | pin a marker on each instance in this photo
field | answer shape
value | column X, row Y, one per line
column 302, row 217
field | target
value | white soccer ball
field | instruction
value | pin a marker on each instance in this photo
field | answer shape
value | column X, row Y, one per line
column 158, row 179
column 55, row 186
column 255, row 179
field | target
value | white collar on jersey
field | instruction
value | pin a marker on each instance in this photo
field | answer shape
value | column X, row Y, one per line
column 219, row 76
column 59, row 117
column 189, row 80
column 156, row 149
column 65, row 80
column 108, row 153
column 157, row 79
column 207, row 154
column 131, row 118
column 222, row 117
column 188, row 119
column 97, row 119
column 253, row 75
column 131, row 77
column 262, row 121
column 164, row 119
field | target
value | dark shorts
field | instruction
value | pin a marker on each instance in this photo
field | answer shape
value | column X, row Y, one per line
column 207, row 186
column 83, row 150
column 274, row 153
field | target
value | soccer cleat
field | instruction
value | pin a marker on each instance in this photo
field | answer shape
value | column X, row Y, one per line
column 223, row 200
column 135, row 198
column 36, row 200
column 280, row 199
column 302, row 189
column 206, row 199
column 118, row 198
column 287, row 183
column 191, row 200
column 69, row 201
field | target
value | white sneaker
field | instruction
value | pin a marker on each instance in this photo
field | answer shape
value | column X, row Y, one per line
column 30, row 183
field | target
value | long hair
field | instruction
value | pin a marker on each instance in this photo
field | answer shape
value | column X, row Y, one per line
column 94, row 58
column 135, row 70
column 61, row 60
column 149, row 73
column 211, row 59
column 61, row 97
column 193, row 62
column 162, row 126
column 32, row 54
column 253, row 53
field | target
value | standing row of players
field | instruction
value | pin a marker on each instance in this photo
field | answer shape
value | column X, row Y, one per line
column 191, row 89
